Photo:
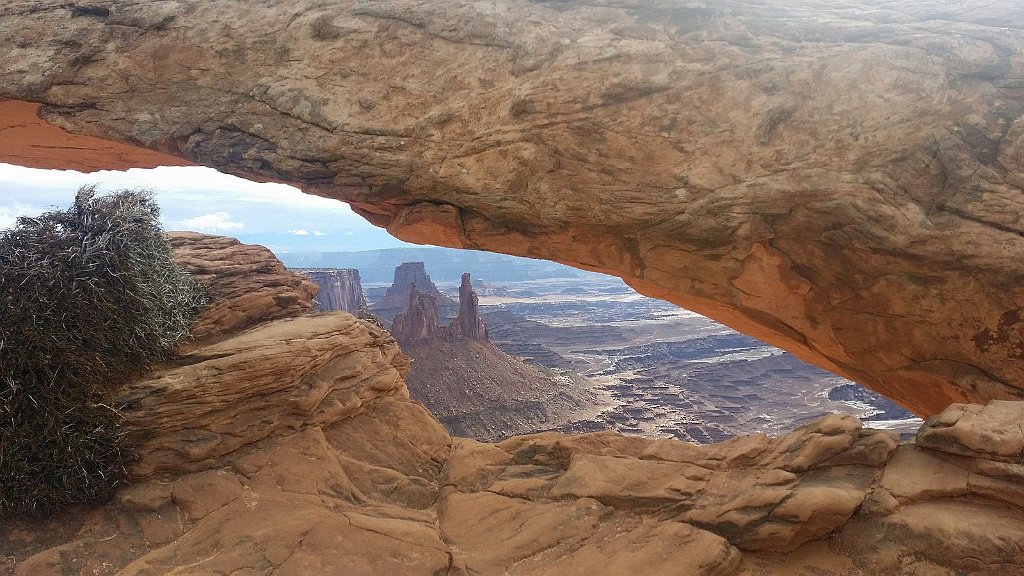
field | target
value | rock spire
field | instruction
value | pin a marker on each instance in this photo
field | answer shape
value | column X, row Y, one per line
column 468, row 321
column 419, row 320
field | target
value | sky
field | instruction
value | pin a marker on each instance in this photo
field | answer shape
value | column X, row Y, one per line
column 277, row 216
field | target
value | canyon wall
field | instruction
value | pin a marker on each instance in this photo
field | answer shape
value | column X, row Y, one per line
column 842, row 181
column 340, row 289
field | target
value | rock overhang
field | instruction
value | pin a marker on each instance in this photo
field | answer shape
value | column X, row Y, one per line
column 846, row 186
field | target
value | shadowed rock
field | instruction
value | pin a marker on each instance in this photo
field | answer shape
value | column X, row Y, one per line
column 842, row 182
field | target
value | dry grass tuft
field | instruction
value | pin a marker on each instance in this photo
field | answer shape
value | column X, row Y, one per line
column 89, row 297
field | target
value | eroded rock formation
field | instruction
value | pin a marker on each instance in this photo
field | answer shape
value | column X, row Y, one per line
column 472, row 387
column 419, row 319
column 396, row 299
column 841, row 181
column 340, row 289
column 293, row 447
column 246, row 283
column 468, row 321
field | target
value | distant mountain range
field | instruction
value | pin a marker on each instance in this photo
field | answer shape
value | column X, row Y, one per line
column 446, row 265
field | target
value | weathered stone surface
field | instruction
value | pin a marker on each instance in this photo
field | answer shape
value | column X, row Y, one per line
column 279, row 377
column 841, row 181
column 944, row 537
column 246, row 283
column 396, row 299
column 387, row 491
column 994, row 430
column 27, row 140
column 500, row 535
column 773, row 495
column 293, row 448
column 340, row 289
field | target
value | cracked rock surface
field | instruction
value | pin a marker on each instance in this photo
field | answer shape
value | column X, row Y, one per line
column 841, row 180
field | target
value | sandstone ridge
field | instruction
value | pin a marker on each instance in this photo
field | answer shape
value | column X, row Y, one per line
column 840, row 181
column 246, row 283
column 292, row 448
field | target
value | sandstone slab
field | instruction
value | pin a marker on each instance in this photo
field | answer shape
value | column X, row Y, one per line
column 993, row 431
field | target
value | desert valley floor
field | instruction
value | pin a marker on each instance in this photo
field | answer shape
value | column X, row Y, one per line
column 657, row 370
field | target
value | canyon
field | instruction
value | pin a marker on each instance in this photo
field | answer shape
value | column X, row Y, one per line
column 314, row 459
column 662, row 371
column 840, row 181
column 843, row 181
column 473, row 388
column 580, row 352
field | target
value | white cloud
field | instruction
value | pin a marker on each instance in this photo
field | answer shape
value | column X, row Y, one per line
column 201, row 199
column 216, row 222
column 174, row 180
column 299, row 232
column 9, row 213
column 7, row 220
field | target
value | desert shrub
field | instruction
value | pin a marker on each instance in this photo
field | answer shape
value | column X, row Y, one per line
column 89, row 297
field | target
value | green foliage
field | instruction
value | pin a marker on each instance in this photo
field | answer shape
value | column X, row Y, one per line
column 89, row 296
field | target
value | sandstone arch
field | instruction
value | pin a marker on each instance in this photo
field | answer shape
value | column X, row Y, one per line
column 844, row 182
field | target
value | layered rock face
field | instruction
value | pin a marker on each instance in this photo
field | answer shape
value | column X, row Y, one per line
column 398, row 295
column 841, row 182
column 246, row 283
column 292, row 448
column 340, row 289
column 472, row 387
